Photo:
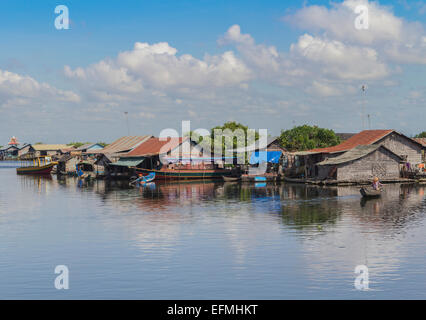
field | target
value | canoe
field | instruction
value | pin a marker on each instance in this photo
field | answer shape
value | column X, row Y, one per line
column 185, row 174
column 370, row 192
column 231, row 179
column 142, row 180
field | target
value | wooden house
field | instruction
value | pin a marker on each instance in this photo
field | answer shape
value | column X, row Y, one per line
column 90, row 148
column 48, row 149
column 422, row 141
column 408, row 149
column 361, row 163
column 156, row 152
column 26, row 152
column 67, row 164
column 10, row 152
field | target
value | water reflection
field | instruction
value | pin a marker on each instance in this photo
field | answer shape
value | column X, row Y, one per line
column 210, row 239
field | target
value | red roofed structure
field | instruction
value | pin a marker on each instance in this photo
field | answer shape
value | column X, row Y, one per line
column 155, row 146
column 364, row 138
column 13, row 141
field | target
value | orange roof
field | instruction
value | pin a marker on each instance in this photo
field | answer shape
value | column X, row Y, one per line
column 154, row 146
column 421, row 141
column 363, row 138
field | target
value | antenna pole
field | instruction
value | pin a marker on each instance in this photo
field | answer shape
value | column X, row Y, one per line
column 127, row 122
column 364, row 102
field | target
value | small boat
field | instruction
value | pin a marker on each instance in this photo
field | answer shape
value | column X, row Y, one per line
column 40, row 165
column 231, row 178
column 370, row 192
column 185, row 174
column 142, row 180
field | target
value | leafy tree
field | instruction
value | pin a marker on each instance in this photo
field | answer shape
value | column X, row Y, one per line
column 308, row 137
column 39, row 142
column 233, row 133
column 421, row 135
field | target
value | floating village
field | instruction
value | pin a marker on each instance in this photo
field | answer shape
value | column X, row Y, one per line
column 388, row 155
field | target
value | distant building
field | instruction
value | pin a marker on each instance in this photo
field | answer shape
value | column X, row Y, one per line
column 48, row 149
column 13, row 141
column 90, row 148
column 9, row 153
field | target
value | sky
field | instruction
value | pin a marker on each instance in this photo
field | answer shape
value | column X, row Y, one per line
column 267, row 64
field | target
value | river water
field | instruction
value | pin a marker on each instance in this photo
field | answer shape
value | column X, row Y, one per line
column 207, row 240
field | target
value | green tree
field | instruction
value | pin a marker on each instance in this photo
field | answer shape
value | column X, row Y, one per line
column 421, row 135
column 308, row 137
column 232, row 133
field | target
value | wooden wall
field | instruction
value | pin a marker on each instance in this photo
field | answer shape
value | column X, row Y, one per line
column 403, row 146
column 380, row 163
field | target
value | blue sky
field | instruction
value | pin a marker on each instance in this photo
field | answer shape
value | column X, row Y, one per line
column 268, row 64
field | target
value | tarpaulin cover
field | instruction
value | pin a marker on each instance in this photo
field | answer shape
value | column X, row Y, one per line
column 265, row 156
column 128, row 162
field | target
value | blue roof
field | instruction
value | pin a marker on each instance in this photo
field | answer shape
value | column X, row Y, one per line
column 265, row 156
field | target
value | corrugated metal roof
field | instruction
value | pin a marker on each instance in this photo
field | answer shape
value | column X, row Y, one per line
column 154, row 146
column 50, row 147
column 354, row 154
column 365, row 137
column 86, row 146
column 124, row 144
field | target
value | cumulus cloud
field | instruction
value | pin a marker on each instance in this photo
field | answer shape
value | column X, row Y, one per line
column 157, row 70
column 319, row 64
column 397, row 39
column 18, row 90
column 338, row 60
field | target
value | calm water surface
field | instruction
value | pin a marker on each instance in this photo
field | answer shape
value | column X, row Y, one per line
column 208, row 240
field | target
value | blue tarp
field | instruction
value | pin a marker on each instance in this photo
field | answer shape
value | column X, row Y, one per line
column 265, row 156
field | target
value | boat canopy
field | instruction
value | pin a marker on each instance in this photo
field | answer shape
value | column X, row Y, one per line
column 265, row 156
column 126, row 162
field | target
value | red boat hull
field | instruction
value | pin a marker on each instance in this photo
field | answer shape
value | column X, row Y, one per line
column 188, row 174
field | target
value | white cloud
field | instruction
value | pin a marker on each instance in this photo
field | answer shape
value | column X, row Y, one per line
column 322, row 66
column 338, row 60
column 399, row 40
column 18, row 90
column 157, row 70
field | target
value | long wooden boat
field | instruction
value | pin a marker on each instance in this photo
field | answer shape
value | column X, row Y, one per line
column 370, row 192
column 41, row 165
column 267, row 177
column 185, row 174
column 231, row 178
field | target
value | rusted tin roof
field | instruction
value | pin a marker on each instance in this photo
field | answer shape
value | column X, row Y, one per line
column 421, row 141
column 124, row 144
column 363, row 138
column 155, row 146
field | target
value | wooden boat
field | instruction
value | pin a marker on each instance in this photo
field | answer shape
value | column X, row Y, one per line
column 231, row 178
column 370, row 192
column 40, row 165
column 185, row 174
column 267, row 177
column 142, row 180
